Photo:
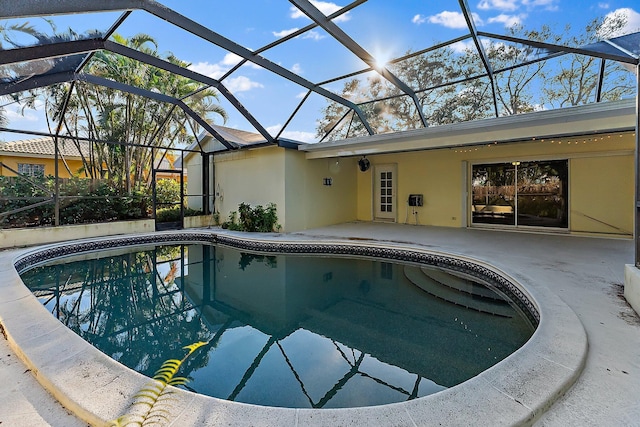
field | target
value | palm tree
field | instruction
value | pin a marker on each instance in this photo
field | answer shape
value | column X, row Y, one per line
column 106, row 114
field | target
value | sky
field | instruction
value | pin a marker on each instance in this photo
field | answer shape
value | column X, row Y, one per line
column 386, row 29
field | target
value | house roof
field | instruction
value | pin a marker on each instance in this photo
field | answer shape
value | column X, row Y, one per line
column 241, row 138
column 44, row 147
column 598, row 118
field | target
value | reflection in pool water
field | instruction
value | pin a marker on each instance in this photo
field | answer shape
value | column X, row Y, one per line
column 283, row 330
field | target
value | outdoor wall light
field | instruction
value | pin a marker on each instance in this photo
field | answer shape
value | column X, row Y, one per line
column 364, row 164
column 334, row 166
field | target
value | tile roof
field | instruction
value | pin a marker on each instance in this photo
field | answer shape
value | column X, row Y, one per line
column 240, row 137
column 44, row 147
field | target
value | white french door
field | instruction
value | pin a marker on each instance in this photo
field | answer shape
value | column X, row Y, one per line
column 384, row 198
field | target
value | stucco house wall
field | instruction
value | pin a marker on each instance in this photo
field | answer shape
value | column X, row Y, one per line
column 597, row 141
column 600, row 180
column 310, row 203
column 282, row 176
column 12, row 162
column 256, row 177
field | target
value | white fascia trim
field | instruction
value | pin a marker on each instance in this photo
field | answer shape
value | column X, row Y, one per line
column 588, row 119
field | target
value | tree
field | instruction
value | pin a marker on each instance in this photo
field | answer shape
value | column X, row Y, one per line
column 452, row 84
column 514, row 85
column 576, row 80
column 109, row 115
column 3, row 117
column 18, row 71
column 433, row 76
column 103, row 114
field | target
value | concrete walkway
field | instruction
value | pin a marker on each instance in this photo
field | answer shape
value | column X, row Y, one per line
column 23, row 402
column 586, row 273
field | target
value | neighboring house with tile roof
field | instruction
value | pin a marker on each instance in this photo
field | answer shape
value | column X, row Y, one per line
column 37, row 157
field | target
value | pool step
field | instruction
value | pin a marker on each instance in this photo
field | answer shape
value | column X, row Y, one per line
column 450, row 293
column 461, row 283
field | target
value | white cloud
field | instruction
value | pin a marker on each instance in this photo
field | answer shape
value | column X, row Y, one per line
column 546, row 4
column 462, row 47
column 503, row 5
column 15, row 112
column 33, row 119
column 15, row 115
column 631, row 17
column 325, row 7
column 603, row 5
column 285, row 33
column 241, row 84
column 234, row 84
column 217, row 70
column 419, row 19
column 301, row 95
column 296, row 68
column 507, row 20
column 313, row 35
column 231, row 59
column 453, row 19
column 211, row 70
column 296, row 135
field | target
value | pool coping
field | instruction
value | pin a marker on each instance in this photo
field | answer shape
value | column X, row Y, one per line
column 516, row 391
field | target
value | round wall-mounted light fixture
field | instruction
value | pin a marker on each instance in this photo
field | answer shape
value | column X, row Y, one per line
column 334, row 166
column 364, row 164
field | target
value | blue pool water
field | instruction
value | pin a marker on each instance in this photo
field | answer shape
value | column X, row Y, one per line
column 284, row 330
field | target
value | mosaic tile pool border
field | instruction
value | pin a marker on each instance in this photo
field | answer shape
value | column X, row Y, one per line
column 60, row 250
column 510, row 289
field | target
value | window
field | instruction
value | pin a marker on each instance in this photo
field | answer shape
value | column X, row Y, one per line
column 521, row 193
column 30, row 169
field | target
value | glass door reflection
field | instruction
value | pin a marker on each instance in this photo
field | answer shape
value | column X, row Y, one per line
column 542, row 190
column 493, row 188
column 521, row 194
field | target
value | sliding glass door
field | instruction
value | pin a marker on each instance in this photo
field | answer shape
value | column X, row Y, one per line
column 521, row 194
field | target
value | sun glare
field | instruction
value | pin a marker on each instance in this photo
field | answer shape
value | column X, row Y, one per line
column 382, row 58
column 381, row 63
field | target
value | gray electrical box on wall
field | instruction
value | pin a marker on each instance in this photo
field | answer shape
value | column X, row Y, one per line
column 415, row 199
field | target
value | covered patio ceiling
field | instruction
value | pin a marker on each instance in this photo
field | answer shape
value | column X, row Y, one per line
column 53, row 61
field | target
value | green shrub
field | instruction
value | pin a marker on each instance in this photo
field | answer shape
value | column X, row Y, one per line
column 167, row 191
column 173, row 214
column 259, row 219
column 81, row 201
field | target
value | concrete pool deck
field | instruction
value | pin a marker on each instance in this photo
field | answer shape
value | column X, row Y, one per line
column 584, row 273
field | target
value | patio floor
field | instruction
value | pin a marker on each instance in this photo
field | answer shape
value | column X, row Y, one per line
column 584, row 272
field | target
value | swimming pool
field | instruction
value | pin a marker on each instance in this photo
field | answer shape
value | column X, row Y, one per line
column 379, row 329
